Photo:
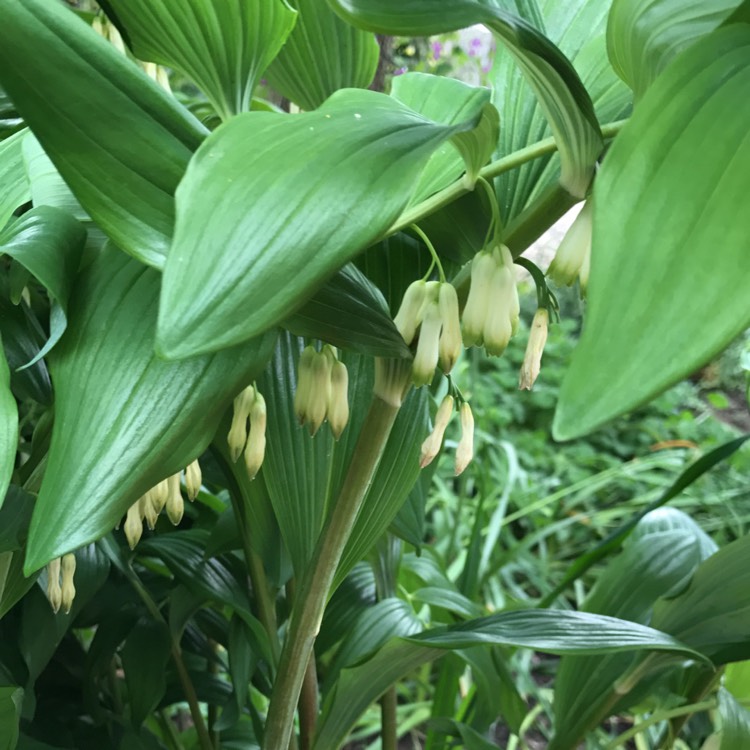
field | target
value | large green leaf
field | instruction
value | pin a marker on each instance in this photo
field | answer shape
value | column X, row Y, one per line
column 349, row 311
column 652, row 564
column 8, row 427
column 11, row 700
column 14, row 186
column 644, row 35
column 322, row 55
column 553, row 631
column 735, row 722
column 48, row 243
column 273, row 204
column 578, row 28
column 713, row 613
column 563, row 98
column 124, row 419
column 667, row 291
column 119, row 140
column 223, row 45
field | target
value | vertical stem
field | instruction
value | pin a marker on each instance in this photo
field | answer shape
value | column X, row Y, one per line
column 389, row 726
column 213, row 709
column 308, row 706
column 312, row 595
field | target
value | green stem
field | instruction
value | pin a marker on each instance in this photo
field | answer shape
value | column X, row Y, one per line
column 493, row 169
column 308, row 706
column 169, row 733
column 389, row 721
column 658, row 717
column 204, row 738
column 433, row 252
column 312, row 595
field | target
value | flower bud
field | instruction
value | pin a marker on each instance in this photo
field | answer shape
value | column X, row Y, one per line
column 431, row 445
column 498, row 325
column 571, row 257
column 450, row 338
column 175, row 503
column 54, row 592
column 68, row 587
column 532, row 361
column 320, row 391
column 147, row 510
column 465, row 450
column 256, row 444
column 133, row 525
column 158, row 495
column 338, row 405
column 477, row 303
column 193, row 479
column 237, row 437
column 409, row 315
column 304, row 382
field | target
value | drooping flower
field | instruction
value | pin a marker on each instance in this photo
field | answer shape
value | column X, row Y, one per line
column 465, row 450
column 573, row 256
column 193, row 479
column 68, row 589
column 532, row 360
column 432, row 443
column 338, row 404
column 54, row 591
column 133, row 525
column 255, row 450
column 175, row 503
column 237, row 437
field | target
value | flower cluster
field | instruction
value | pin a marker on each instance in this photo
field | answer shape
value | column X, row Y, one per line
column 573, row 257
column 430, row 308
column 490, row 317
column 164, row 496
column 60, row 588
column 249, row 405
column 322, row 390
column 433, row 442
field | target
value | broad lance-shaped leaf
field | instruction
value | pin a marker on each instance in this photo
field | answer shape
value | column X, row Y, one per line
column 322, row 55
column 274, row 204
column 644, row 35
column 48, row 243
column 124, row 419
column 119, row 140
column 562, row 96
column 552, row 631
column 578, row 27
column 8, row 427
column 669, row 259
column 349, row 312
column 223, row 45
column 14, row 186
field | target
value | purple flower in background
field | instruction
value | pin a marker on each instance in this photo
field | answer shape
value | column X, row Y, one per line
column 437, row 50
column 399, row 71
column 476, row 42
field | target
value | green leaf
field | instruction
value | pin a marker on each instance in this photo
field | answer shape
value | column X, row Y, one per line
column 644, row 35
column 14, row 187
column 679, row 299
column 452, row 601
column 712, row 613
column 449, row 101
column 563, row 98
column 250, row 226
column 144, row 658
column 735, row 722
column 124, row 420
column 578, row 27
column 223, row 45
column 349, row 312
column 552, row 631
column 13, row 583
column 119, row 140
column 322, row 55
column 8, row 427
column 15, row 515
column 652, row 564
column 48, row 243
column 11, row 700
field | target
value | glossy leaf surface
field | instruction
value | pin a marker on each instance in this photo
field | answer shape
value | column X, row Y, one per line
column 8, row 427
column 124, row 419
column 667, row 287
column 120, row 141
column 255, row 237
column 322, row 55
column 553, row 631
column 565, row 102
column 223, row 45
column 14, row 186
column 644, row 35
